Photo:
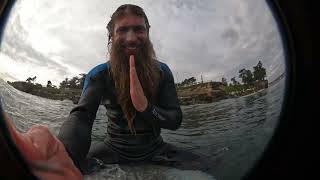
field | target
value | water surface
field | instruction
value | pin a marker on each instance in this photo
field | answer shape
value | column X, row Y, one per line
column 232, row 132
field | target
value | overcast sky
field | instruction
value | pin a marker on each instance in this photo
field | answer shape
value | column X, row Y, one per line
column 57, row 39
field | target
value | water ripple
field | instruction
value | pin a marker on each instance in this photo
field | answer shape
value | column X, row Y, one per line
column 225, row 131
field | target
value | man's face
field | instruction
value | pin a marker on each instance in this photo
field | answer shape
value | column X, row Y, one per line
column 130, row 32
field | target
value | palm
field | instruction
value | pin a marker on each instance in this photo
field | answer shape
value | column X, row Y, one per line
column 138, row 98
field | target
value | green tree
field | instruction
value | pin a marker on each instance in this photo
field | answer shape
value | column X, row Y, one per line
column 64, row 83
column 189, row 81
column 74, row 83
column 234, row 81
column 246, row 76
column 31, row 80
column 82, row 79
column 224, row 81
column 259, row 72
column 49, row 84
column 34, row 79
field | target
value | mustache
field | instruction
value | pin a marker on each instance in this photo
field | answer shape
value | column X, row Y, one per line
column 133, row 45
column 118, row 53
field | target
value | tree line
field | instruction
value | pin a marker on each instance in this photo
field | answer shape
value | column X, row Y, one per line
column 247, row 77
column 76, row 82
column 73, row 83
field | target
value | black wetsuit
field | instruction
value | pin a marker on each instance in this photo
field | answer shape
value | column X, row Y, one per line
column 98, row 90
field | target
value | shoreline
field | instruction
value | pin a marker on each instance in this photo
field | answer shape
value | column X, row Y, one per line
column 201, row 93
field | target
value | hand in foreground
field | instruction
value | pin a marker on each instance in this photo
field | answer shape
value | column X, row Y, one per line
column 44, row 153
column 138, row 98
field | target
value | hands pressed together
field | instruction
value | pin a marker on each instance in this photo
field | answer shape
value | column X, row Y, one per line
column 138, row 98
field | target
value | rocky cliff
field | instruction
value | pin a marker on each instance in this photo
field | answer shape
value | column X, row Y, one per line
column 215, row 91
column 47, row 92
column 201, row 93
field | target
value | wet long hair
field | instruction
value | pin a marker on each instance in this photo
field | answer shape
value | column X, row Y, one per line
column 148, row 68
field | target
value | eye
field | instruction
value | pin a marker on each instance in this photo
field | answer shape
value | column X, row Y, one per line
column 122, row 30
column 139, row 29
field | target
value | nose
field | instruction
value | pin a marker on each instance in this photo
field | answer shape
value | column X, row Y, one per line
column 131, row 37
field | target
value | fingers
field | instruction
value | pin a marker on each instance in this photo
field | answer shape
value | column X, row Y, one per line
column 43, row 140
column 138, row 98
column 23, row 143
column 42, row 152
column 134, row 82
column 132, row 62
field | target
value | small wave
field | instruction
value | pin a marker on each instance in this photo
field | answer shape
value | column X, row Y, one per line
column 125, row 172
column 175, row 174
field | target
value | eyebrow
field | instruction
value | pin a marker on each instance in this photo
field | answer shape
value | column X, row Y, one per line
column 132, row 26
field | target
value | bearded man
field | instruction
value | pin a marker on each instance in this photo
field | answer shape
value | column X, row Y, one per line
column 139, row 94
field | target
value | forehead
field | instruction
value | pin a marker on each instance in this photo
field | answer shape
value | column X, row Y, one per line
column 129, row 20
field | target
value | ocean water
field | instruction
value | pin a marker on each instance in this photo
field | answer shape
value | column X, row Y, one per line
column 232, row 132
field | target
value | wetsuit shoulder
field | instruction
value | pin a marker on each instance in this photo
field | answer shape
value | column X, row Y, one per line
column 94, row 73
column 165, row 68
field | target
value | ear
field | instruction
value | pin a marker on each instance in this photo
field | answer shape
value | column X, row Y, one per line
column 110, row 38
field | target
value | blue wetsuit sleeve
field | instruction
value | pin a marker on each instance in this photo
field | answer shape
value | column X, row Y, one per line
column 167, row 113
column 75, row 132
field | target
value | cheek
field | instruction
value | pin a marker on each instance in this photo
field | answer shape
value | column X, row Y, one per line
column 118, row 38
column 143, row 37
column 115, row 40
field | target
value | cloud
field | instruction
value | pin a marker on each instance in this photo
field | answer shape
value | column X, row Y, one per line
column 230, row 35
column 194, row 37
column 7, row 77
column 19, row 51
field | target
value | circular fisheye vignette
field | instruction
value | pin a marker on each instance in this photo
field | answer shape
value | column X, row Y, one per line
column 15, row 165
column 263, row 164
column 284, row 40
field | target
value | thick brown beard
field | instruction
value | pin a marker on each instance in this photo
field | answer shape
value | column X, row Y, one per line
column 148, row 70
